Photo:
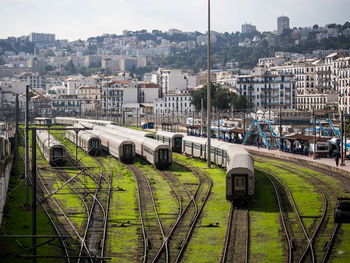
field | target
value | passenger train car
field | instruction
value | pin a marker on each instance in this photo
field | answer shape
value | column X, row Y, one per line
column 173, row 139
column 132, row 131
column 238, row 162
column 72, row 121
column 157, row 153
column 87, row 141
column 53, row 151
column 118, row 146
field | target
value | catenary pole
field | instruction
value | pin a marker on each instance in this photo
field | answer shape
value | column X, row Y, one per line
column 208, row 95
column 26, row 145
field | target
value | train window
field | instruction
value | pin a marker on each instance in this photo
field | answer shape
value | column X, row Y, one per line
column 322, row 147
column 239, row 183
column 127, row 149
column 177, row 141
column 197, row 146
column 147, row 150
column 57, row 152
column 94, row 143
column 163, row 155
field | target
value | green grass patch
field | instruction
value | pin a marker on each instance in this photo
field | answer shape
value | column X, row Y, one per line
column 207, row 242
column 266, row 243
column 301, row 191
column 123, row 242
column 165, row 199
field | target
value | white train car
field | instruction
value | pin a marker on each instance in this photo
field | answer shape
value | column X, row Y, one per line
column 157, row 153
column 118, row 146
column 87, row 141
column 71, row 121
column 53, row 151
column 239, row 174
column 174, row 140
column 132, row 131
column 238, row 162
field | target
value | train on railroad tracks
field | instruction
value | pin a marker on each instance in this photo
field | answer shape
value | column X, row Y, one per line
column 87, row 141
column 53, row 151
column 239, row 164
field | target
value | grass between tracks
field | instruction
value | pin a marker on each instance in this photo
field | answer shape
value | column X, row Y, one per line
column 165, row 199
column 124, row 222
column 123, row 219
column 301, row 190
column 342, row 246
column 266, row 243
column 207, row 242
column 17, row 221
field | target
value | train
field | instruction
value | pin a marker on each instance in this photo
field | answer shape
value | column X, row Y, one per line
column 132, row 131
column 173, row 139
column 118, row 146
column 87, row 141
column 238, row 162
column 71, row 121
column 156, row 153
column 53, row 151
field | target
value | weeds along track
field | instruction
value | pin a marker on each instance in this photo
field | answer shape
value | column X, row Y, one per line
column 98, row 187
column 152, row 229
column 324, row 231
column 282, row 218
column 60, row 230
column 64, row 217
column 236, row 247
column 199, row 197
column 188, row 210
column 294, row 224
column 96, row 227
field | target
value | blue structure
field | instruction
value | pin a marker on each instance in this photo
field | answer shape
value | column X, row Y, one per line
column 256, row 123
column 273, row 132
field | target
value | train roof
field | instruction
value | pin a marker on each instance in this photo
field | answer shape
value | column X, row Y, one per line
column 170, row 134
column 44, row 137
column 111, row 136
column 128, row 130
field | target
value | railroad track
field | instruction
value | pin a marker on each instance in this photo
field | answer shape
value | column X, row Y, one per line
column 152, row 228
column 236, row 247
column 62, row 216
column 188, row 210
column 92, row 240
column 98, row 216
column 329, row 196
column 200, row 197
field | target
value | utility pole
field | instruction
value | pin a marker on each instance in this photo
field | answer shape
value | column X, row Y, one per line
column 34, row 194
column 16, row 139
column 314, row 131
column 26, row 144
column 137, row 118
column 280, row 127
column 244, row 124
column 208, row 96
column 218, row 110
column 202, row 117
column 342, row 138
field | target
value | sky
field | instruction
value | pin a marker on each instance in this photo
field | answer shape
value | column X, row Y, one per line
column 81, row 19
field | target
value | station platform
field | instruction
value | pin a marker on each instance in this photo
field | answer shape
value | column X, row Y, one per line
column 325, row 163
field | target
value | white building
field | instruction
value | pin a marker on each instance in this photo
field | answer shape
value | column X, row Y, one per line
column 267, row 89
column 33, row 79
column 78, row 81
column 174, row 102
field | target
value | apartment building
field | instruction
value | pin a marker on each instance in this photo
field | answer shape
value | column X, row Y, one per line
column 267, row 89
column 176, row 101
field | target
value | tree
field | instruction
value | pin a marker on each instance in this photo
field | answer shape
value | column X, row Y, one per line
column 221, row 98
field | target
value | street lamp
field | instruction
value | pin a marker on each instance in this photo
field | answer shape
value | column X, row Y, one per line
column 208, row 95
